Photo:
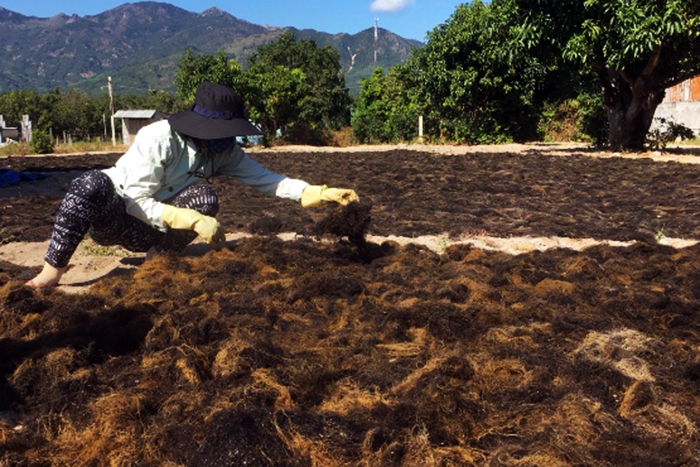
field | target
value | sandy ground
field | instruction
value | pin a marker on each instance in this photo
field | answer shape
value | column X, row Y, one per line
column 86, row 268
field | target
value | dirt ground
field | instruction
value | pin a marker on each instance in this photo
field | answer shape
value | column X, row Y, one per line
column 520, row 305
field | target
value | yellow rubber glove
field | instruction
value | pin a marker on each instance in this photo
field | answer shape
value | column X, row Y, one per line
column 188, row 219
column 315, row 195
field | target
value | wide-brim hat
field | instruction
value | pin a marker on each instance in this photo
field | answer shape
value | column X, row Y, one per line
column 217, row 113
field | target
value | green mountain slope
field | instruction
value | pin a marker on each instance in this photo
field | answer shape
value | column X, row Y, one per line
column 140, row 46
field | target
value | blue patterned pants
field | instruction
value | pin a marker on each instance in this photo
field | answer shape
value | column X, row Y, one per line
column 93, row 207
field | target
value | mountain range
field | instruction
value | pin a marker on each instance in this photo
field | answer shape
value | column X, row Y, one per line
column 141, row 44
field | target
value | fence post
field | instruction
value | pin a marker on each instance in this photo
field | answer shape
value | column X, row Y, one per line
column 111, row 109
column 420, row 129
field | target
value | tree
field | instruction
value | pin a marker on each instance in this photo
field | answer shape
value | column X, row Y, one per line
column 193, row 69
column 386, row 110
column 298, row 89
column 275, row 95
column 371, row 116
column 637, row 49
column 75, row 112
column 478, row 76
column 15, row 104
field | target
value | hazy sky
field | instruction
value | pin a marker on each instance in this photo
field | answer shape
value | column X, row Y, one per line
column 408, row 18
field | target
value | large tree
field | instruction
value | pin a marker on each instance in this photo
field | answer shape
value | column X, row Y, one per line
column 298, row 89
column 637, row 49
column 387, row 108
column 193, row 69
column 479, row 76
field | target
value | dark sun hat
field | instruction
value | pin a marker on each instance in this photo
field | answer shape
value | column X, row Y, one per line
column 217, row 113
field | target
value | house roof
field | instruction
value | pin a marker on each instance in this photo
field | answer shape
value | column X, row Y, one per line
column 138, row 113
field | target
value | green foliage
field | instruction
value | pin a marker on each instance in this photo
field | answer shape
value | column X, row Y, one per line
column 163, row 101
column 5, row 236
column 667, row 131
column 77, row 113
column 637, row 49
column 298, row 89
column 626, row 34
column 42, row 143
column 478, row 77
column 592, row 121
column 194, row 69
column 74, row 112
column 15, row 104
column 274, row 94
column 385, row 111
column 90, row 248
column 291, row 87
column 370, row 120
column 574, row 119
column 558, row 121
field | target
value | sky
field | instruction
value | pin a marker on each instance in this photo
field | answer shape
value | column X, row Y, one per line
column 411, row 19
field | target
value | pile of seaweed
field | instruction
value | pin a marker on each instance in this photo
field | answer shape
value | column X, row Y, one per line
column 418, row 193
column 351, row 221
column 299, row 354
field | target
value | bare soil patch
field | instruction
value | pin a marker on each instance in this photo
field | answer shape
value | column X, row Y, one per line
column 505, row 308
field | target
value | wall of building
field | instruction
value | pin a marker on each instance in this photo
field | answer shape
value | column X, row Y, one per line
column 682, row 105
column 131, row 126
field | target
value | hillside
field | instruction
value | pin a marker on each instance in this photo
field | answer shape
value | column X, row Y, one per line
column 140, row 45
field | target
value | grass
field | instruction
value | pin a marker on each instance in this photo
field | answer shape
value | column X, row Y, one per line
column 690, row 142
column 90, row 248
column 25, row 149
column 5, row 236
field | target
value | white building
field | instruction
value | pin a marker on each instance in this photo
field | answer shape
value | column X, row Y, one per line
column 682, row 104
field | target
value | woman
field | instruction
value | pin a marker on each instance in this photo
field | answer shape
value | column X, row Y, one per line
column 150, row 200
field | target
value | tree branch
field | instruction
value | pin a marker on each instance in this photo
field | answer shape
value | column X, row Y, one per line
column 630, row 81
column 678, row 79
column 652, row 63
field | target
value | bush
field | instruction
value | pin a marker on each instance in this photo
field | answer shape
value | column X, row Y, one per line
column 42, row 143
column 558, row 121
column 667, row 131
column 592, row 118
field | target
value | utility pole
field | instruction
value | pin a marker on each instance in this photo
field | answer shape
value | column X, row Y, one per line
column 111, row 110
column 376, row 38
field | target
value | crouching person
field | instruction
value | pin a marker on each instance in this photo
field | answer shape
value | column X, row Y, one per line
column 150, row 200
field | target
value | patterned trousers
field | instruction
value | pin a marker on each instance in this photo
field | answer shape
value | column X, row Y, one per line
column 92, row 206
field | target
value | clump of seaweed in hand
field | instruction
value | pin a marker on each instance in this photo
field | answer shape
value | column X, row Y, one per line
column 351, row 220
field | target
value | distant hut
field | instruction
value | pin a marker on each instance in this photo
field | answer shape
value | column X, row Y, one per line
column 8, row 134
column 134, row 120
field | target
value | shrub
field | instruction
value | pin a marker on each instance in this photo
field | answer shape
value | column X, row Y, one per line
column 42, row 143
column 667, row 131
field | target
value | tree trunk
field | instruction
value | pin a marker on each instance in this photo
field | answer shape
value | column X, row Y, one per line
column 631, row 105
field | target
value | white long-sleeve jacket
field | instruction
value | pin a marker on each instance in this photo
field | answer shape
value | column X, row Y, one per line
column 161, row 163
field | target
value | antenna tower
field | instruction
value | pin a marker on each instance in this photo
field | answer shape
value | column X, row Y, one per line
column 376, row 38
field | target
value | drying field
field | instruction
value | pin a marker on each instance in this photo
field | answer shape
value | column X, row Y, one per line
column 339, row 353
